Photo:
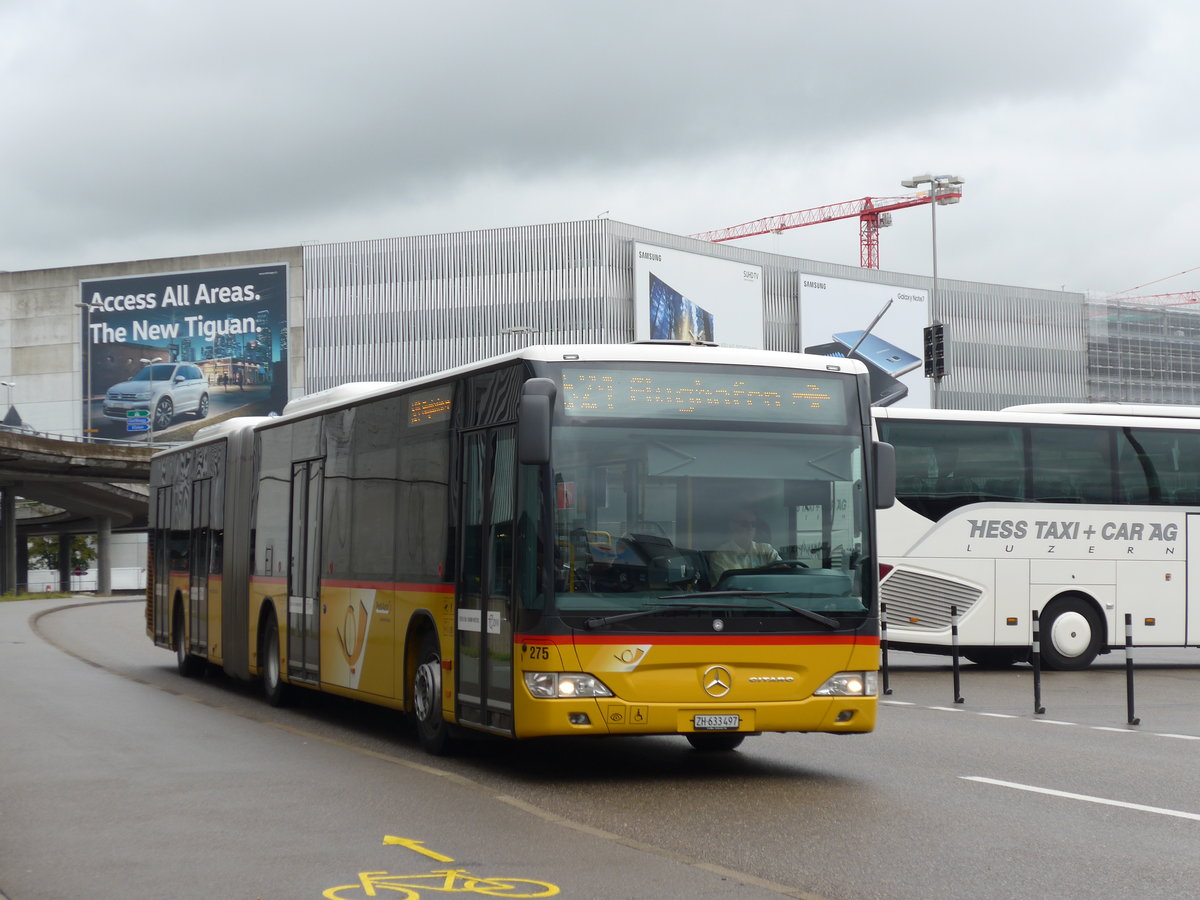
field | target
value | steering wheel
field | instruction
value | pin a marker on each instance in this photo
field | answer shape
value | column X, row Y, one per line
column 785, row 564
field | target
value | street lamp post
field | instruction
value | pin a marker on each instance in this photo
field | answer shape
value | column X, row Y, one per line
column 943, row 190
column 87, row 307
column 10, row 385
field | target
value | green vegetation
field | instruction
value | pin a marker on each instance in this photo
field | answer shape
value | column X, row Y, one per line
column 43, row 552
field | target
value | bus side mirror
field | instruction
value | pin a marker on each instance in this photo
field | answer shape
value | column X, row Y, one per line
column 885, row 475
column 534, row 411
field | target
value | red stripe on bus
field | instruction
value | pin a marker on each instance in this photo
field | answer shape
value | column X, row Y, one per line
column 765, row 640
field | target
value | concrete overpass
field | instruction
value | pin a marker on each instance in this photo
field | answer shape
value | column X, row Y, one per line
column 84, row 488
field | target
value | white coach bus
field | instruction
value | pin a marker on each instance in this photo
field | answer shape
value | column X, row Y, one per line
column 1082, row 513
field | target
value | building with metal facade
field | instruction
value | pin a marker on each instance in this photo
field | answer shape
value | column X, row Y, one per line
column 398, row 308
column 1143, row 354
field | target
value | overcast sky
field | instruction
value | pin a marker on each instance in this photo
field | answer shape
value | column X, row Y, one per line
column 146, row 129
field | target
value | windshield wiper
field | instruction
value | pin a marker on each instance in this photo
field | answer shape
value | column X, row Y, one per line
column 770, row 596
column 601, row 621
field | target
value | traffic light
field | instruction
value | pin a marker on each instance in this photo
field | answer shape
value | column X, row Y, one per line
column 935, row 351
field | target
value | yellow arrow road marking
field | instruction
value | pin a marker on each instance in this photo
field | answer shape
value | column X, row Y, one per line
column 415, row 846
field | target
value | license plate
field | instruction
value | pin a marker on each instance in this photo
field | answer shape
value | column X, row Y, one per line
column 716, row 723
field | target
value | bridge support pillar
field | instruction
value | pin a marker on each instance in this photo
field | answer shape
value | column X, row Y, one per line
column 8, row 522
column 104, row 555
column 64, row 561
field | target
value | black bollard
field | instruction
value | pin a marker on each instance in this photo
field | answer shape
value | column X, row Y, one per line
column 954, row 640
column 1133, row 720
column 883, row 646
column 1035, row 656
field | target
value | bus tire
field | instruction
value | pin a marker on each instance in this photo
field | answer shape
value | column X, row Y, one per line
column 189, row 666
column 1071, row 634
column 433, row 732
column 275, row 689
column 715, row 743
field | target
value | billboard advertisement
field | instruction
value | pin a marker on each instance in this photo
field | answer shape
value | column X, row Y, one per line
column 835, row 312
column 689, row 297
column 166, row 354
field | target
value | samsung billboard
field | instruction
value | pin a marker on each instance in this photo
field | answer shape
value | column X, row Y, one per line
column 684, row 296
column 835, row 313
column 163, row 354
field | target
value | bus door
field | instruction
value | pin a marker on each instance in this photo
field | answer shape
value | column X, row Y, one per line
column 1192, row 613
column 199, row 565
column 483, row 632
column 304, row 555
column 161, row 572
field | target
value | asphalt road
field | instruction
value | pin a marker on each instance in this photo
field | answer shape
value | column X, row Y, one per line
column 122, row 779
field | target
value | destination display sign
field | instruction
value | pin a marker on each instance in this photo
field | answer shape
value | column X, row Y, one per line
column 430, row 406
column 711, row 393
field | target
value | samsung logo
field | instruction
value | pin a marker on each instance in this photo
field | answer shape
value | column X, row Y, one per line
column 819, row 285
column 642, row 254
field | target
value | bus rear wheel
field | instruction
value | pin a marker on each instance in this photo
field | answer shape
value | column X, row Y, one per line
column 1071, row 634
column 274, row 687
column 432, row 730
column 715, row 743
column 189, row 666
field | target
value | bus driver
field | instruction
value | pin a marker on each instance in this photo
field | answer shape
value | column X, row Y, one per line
column 741, row 550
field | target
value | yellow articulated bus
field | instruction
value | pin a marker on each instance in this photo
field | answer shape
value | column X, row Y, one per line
column 568, row 540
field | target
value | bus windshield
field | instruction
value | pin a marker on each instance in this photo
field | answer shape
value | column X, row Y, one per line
column 761, row 524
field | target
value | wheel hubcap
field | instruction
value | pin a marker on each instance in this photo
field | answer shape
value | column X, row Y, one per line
column 426, row 688
column 272, row 662
column 1071, row 634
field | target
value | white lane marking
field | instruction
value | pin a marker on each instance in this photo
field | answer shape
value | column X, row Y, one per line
column 959, row 709
column 1104, row 801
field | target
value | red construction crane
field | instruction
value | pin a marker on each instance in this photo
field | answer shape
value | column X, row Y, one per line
column 873, row 213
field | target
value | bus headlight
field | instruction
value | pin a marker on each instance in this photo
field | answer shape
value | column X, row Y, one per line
column 553, row 685
column 850, row 684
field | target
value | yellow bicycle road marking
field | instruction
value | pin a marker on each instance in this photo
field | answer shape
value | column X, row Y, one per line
column 453, row 881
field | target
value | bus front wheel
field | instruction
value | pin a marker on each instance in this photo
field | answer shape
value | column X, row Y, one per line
column 432, row 730
column 1071, row 634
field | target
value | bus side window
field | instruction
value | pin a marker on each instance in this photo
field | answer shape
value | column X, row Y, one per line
column 1003, row 489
